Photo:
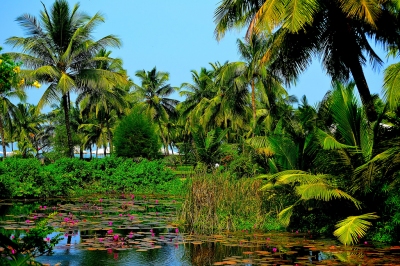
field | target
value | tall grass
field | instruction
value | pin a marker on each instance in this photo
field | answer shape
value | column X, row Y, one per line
column 217, row 202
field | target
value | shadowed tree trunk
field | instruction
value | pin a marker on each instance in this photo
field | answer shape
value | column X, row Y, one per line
column 166, row 151
column 253, row 104
column 363, row 89
column 81, row 153
column 68, row 126
column 3, row 141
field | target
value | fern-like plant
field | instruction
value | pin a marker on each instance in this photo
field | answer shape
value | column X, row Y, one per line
column 352, row 228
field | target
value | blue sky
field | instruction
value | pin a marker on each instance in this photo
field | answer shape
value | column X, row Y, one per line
column 175, row 36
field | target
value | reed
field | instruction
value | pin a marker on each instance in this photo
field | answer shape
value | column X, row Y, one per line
column 216, row 202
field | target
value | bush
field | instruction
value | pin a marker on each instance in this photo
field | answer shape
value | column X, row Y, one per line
column 73, row 177
column 21, row 177
column 135, row 136
column 130, row 176
column 217, row 202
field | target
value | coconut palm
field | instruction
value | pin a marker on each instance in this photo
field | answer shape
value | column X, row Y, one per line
column 155, row 90
column 251, row 72
column 29, row 124
column 105, row 103
column 61, row 52
column 202, row 87
column 337, row 30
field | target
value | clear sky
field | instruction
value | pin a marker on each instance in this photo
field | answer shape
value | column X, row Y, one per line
column 176, row 36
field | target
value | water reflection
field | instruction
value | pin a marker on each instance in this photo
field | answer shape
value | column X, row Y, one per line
column 143, row 233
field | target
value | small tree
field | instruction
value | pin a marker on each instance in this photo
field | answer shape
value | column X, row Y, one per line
column 136, row 136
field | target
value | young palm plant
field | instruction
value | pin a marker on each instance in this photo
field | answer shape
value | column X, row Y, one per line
column 338, row 150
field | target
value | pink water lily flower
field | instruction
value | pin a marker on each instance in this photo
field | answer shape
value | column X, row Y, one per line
column 110, row 223
column 110, row 231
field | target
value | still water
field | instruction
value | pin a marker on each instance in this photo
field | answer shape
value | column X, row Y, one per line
column 142, row 230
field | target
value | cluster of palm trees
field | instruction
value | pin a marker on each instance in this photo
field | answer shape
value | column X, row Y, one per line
column 339, row 149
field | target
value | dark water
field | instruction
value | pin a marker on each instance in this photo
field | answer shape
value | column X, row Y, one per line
column 142, row 231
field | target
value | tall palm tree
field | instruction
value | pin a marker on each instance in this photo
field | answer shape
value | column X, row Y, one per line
column 252, row 72
column 337, row 30
column 61, row 52
column 106, row 103
column 203, row 86
column 155, row 90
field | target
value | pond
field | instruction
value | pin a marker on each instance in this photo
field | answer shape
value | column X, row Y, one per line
column 142, row 230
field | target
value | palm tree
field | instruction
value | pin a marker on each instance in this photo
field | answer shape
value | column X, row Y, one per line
column 155, row 90
column 29, row 124
column 203, row 87
column 226, row 105
column 336, row 30
column 252, row 72
column 60, row 50
column 107, row 103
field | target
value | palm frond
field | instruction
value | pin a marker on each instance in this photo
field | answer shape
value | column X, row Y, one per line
column 328, row 142
column 325, row 192
column 285, row 215
column 352, row 228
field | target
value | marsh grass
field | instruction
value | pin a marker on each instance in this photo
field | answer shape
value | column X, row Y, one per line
column 216, row 202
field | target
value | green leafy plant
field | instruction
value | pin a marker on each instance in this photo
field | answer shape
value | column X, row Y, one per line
column 351, row 229
column 136, row 136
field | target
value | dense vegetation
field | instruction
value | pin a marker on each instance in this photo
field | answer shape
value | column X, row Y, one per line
column 329, row 169
column 27, row 178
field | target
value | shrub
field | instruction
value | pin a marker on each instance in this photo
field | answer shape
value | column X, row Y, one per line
column 129, row 176
column 21, row 177
column 135, row 136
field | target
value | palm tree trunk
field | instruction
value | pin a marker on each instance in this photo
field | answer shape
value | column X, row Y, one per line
column 253, row 104
column 69, row 100
column 352, row 61
column 3, row 142
column 90, row 150
column 81, row 153
column 164, row 140
column 68, row 126
column 97, row 151
column 363, row 89
column 109, row 137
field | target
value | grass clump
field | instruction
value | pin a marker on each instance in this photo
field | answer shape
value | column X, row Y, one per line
column 217, row 202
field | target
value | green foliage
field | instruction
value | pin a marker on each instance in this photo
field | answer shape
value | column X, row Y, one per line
column 30, row 245
column 135, row 136
column 71, row 177
column 21, row 177
column 352, row 228
column 9, row 74
column 145, row 176
column 60, row 142
column 216, row 202
column 209, row 147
